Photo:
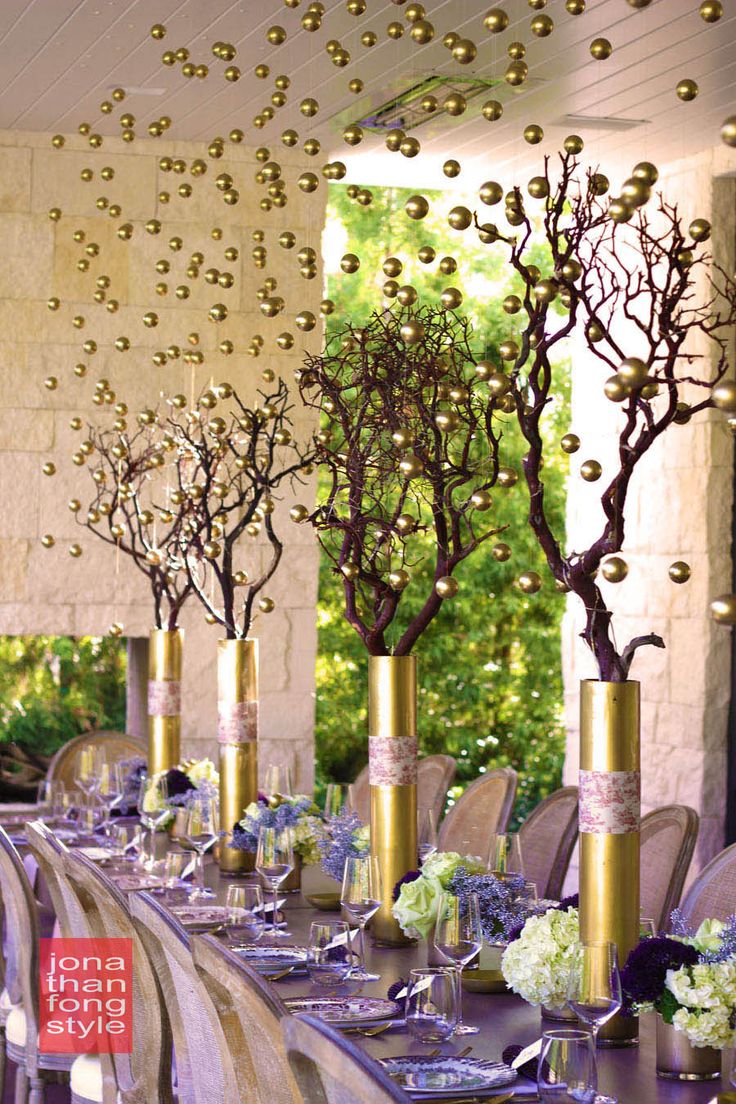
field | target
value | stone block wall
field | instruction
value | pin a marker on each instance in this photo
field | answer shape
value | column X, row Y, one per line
column 44, row 591
column 680, row 507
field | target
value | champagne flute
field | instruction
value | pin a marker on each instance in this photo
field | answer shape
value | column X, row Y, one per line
column 274, row 862
column 336, row 799
column 111, row 784
column 201, row 832
column 361, row 898
column 458, row 936
column 153, row 809
column 88, row 767
column 426, row 833
column 594, row 990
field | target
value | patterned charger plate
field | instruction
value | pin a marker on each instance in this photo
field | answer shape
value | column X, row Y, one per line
column 425, row 1076
column 346, row 1011
column 271, row 960
column 132, row 883
column 199, row 918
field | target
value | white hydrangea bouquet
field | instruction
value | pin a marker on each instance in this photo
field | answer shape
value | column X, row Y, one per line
column 539, row 960
column 689, row 979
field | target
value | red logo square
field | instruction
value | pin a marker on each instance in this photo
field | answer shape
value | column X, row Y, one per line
column 85, row 990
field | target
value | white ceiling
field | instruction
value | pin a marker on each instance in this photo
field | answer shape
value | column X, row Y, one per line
column 60, row 58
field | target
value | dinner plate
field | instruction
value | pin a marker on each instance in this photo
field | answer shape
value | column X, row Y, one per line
column 271, row 960
column 200, row 918
column 132, row 883
column 95, row 854
column 424, row 1076
column 346, row 1011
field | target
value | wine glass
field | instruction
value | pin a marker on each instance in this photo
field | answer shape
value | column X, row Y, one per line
column 426, row 833
column 110, row 789
column 202, row 830
column 567, row 1069
column 594, row 990
column 432, row 1004
column 279, row 781
column 458, row 936
column 647, row 927
column 51, row 793
column 153, row 808
column 361, row 898
column 88, row 768
column 245, row 921
column 505, row 858
column 274, row 862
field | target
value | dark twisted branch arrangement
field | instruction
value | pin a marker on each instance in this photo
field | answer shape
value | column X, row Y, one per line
column 227, row 468
column 122, row 512
column 622, row 274
column 411, row 428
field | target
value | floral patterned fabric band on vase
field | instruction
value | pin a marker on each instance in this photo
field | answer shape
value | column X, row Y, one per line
column 237, row 722
column 610, row 802
column 164, row 698
column 392, row 760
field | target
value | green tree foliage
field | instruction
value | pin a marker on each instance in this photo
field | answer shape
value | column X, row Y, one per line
column 54, row 687
column 489, row 666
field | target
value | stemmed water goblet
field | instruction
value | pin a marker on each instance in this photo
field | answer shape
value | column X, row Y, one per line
column 361, row 898
column 505, row 857
column 279, row 781
column 567, row 1068
column 594, row 990
column 201, row 832
column 274, row 862
column 458, row 936
column 153, row 809
column 88, row 768
column 245, row 921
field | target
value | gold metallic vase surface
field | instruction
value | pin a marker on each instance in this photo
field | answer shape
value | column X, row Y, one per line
column 609, row 858
column 237, row 684
column 679, row 1060
column 165, row 652
column 392, row 715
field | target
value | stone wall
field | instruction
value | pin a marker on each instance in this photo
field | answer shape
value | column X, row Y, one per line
column 680, row 507
column 44, row 591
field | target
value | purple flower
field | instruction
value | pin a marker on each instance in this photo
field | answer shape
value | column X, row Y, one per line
column 395, row 989
column 177, row 783
column 283, row 816
column 339, row 843
column 410, row 876
column 573, row 901
column 502, row 908
column 643, row 976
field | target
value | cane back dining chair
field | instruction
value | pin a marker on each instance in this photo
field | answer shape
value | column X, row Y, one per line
column 34, row 1067
column 198, row 1039
column 435, row 775
column 713, row 893
column 547, row 838
column 482, row 810
column 250, row 1015
column 330, row 1069
column 668, row 837
column 144, row 1075
column 117, row 745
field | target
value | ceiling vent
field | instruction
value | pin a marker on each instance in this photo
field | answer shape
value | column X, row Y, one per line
column 603, row 122
column 403, row 111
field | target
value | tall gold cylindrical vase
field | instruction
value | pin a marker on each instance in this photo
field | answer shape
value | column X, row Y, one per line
column 610, row 810
column 164, row 699
column 392, row 751
column 237, row 734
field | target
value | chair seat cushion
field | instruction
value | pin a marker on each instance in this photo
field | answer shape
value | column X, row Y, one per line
column 6, row 1006
column 15, row 1026
column 86, row 1078
column 15, row 1036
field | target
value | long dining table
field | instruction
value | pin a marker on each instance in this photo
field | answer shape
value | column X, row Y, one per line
column 627, row 1073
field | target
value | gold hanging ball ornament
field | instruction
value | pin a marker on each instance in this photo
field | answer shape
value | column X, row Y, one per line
column 620, row 211
column 446, row 587
column 614, row 569
column 451, row 298
column 679, row 571
column 75, row 550
column 507, row 477
column 601, row 49
column 632, row 372
column 417, row 207
column 350, row 263
column 533, row 134
column 501, row 552
column 687, row 90
column 412, row 332
column 516, row 73
column 298, row 513
column 591, row 471
column 570, row 443
column 723, row 609
column 422, row 32
column 491, row 193
column 464, row 51
column 399, row 580
column 699, row 230
column 711, row 11
column 481, row 500
column 728, row 131
column 460, row 218
column 496, row 21
column 530, row 582
column 724, row 396
column 409, row 147
column 305, row 321
column 542, row 26
column 266, row 605
column 427, row 254
column 276, row 35
column 492, row 110
column 451, row 168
